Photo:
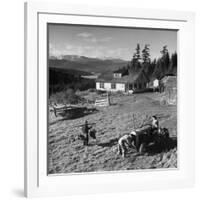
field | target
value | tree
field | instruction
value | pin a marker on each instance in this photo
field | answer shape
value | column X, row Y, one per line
column 146, row 54
column 163, row 63
column 137, row 55
column 173, row 64
column 135, row 64
column 151, row 68
column 164, row 51
column 165, row 59
column 158, row 72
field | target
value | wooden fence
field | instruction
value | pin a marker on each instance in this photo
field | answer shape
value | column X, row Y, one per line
column 64, row 109
column 103, row 102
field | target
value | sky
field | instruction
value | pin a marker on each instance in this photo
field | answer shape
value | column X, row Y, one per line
column 106, row 42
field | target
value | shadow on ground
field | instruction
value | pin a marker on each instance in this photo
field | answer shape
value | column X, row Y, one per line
column 164, row 145
column 110, row 143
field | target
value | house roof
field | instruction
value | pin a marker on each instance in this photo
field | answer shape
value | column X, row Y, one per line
column 167, row 75
column 124, row 79
column 152, row 79
column 120, row 71
column 169, row 78
column 170, row 82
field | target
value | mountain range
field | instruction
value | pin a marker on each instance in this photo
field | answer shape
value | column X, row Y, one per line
column 86, row 64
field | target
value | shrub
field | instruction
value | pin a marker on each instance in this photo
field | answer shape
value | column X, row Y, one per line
column 101, row 92
column 143, row 90
column 92, row 90
column 66, row 97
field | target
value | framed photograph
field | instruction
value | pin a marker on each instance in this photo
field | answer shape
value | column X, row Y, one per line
column 109, row 99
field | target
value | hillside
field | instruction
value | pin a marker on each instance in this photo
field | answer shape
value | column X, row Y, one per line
column 62, row 79
column 86, row 64
column 68, row 155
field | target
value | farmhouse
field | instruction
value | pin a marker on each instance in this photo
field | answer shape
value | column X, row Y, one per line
column 168, row 86
column 117, row 81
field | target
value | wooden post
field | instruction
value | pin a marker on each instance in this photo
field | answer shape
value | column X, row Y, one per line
column 134, row 121
column 169, row 100
column 108, row 98
column 54, row 110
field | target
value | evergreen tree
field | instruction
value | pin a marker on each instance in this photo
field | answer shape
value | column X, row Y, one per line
column 135, row 64
column 158, row 72
column 151, row 68
column 173, row 64
column 165, row 59
column 163, row 64
column 137, row 55
column 146, row 61
column 164, row 51
column 146, row 54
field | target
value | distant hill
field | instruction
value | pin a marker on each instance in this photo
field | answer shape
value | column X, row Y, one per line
column 63, row 79
column 73, row 72
column 86, row 64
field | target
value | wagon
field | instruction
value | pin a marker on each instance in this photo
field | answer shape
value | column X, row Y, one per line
column 67, row 110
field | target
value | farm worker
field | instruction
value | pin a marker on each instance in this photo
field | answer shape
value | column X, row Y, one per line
column 155, row 124
column 85, row 130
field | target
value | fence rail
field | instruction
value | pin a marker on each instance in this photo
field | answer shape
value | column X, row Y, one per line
column 65, row 109
column 102, row 102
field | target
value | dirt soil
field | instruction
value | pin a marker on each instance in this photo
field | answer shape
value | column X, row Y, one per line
column 66, row 154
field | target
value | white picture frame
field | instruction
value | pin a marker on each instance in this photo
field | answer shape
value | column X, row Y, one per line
column 37, row 182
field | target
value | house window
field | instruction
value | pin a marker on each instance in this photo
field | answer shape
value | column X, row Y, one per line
column 113, row 86
column 101, row 85
column 117, row 75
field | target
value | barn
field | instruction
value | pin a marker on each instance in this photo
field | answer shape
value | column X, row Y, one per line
column 117, row 81
column 168, row 86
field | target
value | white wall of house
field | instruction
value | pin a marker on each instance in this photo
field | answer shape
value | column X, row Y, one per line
column 108, row 87
column 156, row 83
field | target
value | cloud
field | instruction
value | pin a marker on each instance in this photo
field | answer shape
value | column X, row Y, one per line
column 88, row 37
column 96, row 51
column 84, row 35
column 106, row 39
column 97, row 40
column 68, row 49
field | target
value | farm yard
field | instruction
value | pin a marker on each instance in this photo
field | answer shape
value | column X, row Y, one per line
column 118, row 87
column 67, row 154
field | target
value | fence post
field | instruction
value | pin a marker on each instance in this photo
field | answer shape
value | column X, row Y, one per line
column 108, row 98
column 103, row 102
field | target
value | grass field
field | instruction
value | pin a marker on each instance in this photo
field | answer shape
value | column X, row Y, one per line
column 66, row 154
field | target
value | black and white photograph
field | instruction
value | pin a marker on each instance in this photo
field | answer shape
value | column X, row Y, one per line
column 112, row 99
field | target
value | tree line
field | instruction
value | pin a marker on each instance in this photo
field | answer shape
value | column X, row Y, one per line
column 62, row 80
column 156, row 68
